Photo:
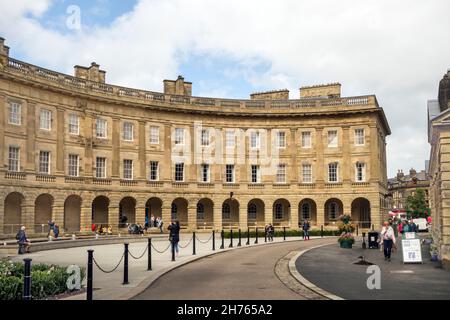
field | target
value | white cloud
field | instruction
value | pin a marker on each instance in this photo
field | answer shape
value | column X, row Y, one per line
column 397, row 51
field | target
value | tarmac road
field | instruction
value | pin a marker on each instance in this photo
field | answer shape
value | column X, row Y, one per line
column 246, row 273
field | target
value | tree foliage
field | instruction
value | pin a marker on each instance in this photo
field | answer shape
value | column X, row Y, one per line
column 416, row 205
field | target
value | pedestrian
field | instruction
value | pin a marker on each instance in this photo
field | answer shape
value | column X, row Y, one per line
column 152, row 221
column 22, row 240
column 174, row 235
column 388, row 238
column 146, row 222
column 161, row 223
column 270, row 232
column 56, row 230
column 51, row 227
column 406, row 227
column 306, row 227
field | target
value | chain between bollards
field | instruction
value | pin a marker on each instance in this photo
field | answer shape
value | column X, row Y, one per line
column 222, row 236
column 239, row 233
column 149, row 255
column 27, row 279
column 193, row 243
column 256, row 240
column 214, row 240
column 89, row 275
column 125, row 264
column 231, row 239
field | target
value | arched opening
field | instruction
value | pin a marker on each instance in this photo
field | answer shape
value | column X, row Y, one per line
column 12, row 218
column 72, row 213
column 127, row 211
column 205, row 216
column 361, row 212
column 43, row 207
column 230, row 213
column 255, row 213
column 100, row 210
column 333, row 209
column 281, row 213
column 307, row 210
column 153, row 207
column 179, row 211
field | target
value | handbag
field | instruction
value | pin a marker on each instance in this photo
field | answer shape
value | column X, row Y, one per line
column 171, row 238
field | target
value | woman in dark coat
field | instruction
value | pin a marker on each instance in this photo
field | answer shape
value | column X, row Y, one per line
column 174, row 235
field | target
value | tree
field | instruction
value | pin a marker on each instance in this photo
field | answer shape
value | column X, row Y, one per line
column 416, row 206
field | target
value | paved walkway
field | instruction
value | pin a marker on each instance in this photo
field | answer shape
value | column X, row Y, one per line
column 331, row 268
column 248, row 273
column 109, row 286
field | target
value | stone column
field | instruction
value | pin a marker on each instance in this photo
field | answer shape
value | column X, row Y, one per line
column 374, row 154
column 268, row 212
column 116, row 148
column 166, row 213
column 30, row 165
column 192, row 215
column 2, row 202
column 217, row 214
column 60, row 142
column 142, row 155
column 140, row 214
column 28, row 215
column 166, row 169
column 113, row 216
column 320, row 211
column 86, row 216
column 293, row 215
column 243, row 221
column 58, row 210
column 4, row 102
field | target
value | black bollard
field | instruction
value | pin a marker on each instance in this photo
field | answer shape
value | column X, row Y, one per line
column 214, row 240
column 248, row 237
column 256, row 240
column 364, row 246
column 239, row 243
column 357, row 230
column 321, row 231
column 222, row 235
column 149, row 255
column 173, row 249
column 231, row 239
column 125, row 265
column 284, row 233
column 89, row 275
column 193, row 243
column 265, row 235
column 27, row 279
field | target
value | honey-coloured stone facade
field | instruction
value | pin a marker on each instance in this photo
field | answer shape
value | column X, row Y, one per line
column 80, row 151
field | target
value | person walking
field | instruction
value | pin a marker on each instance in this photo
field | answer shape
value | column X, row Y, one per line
column 160, row 225
column 51, row 227
column 270, row 232
column 306, row 227
column 388, row 238
column 22, row 240
column 56, row 230
column 174, row 235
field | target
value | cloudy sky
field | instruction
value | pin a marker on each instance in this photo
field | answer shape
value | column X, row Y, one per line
column 397, row 50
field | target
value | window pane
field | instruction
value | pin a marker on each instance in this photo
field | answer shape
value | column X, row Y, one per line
column 359, row 136
column 15, row 110
column 281, row 173
column 46, row 119
column 307, row 173
column 13, row 159
column 179, row 171
column 306, row 139
column 256, row 178
column 179, row 136
column 230, row 138
column 153, row 170
column 226, row 211
column 204, row 173
column 73, row 165
column 205, row 137
column 74, row 124
column 332, row 172
column 154, row 134
column 44, row 162
column 128, row 131
column 332, row 138
column 100, row 170
column 128, row 169
column 101, row 128
column 229, row 173
column 281, row 139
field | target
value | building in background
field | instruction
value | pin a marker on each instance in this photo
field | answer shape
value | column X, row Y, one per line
column 80, row 151
column 439, row 167
column 403, row 186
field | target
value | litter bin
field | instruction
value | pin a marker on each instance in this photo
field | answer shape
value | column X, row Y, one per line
column 373, row 240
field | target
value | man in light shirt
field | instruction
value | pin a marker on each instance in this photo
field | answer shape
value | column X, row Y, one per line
column 388, row 238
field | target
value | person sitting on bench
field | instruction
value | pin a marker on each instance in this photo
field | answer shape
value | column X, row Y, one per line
column 24, row 243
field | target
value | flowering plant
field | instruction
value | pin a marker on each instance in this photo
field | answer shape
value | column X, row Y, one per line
column 345, row 224
column 347, row 237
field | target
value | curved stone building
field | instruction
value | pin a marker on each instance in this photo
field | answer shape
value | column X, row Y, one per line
column 81, row 151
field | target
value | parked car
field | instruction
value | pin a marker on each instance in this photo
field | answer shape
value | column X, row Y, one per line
column 421, row 224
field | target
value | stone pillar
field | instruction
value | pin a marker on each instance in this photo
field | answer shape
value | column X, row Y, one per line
column 4, row 102
column 374, row 153
column 28, row 215
column 217, row 214
column 30, row 164
column 268, row 212
column 58, row 210
column 116, row 148
column 320, row 211
column 142, row 155
column 166, row 170
column 243, row 215
column 140, row 214
column 2, row 203
column 346, row 167
column 60, row 142
column 86, row 216
column 293, row 215
column 87, row 124
column 166, row 213
column 192, row 215
column 113, row 216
